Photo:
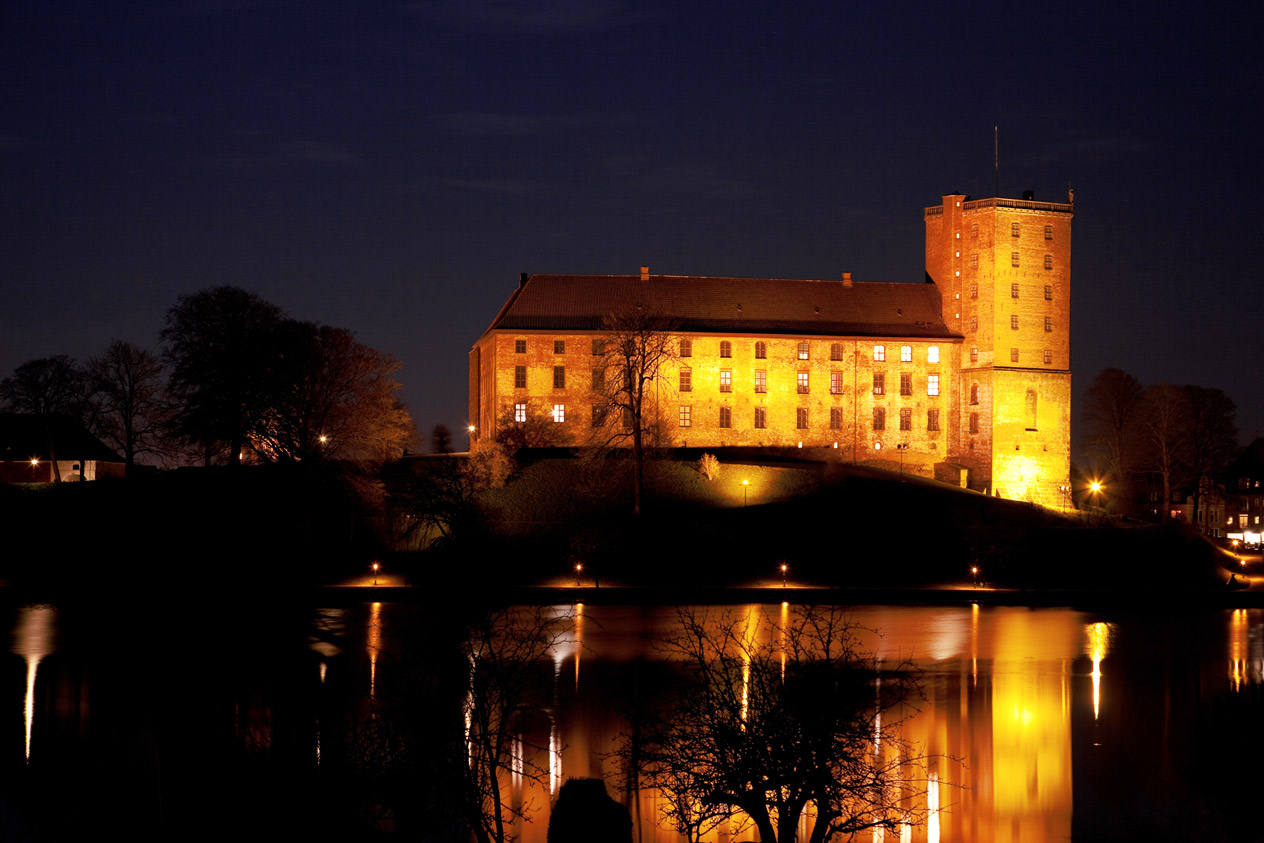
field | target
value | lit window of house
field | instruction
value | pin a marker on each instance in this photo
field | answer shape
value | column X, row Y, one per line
column 879, row 354
column 836, row 383
column 559, row 413
column 520, row 411
column 726, row 380
column 761, row 380
column 803, row 383
column 906, row 354
column 932, row 354
column 686, row 415
column 932, row 384
column 879, row 383
column 803, row 351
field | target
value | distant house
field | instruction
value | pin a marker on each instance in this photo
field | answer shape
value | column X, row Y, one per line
column 43, row 449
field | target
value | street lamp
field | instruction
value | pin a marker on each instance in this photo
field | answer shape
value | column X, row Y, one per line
column 902, row 447
column 745, row 485
column 377, row 566
column 784, row 567
column 579, row 569
column 974, row 575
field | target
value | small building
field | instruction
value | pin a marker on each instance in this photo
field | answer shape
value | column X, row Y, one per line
column 46, row 449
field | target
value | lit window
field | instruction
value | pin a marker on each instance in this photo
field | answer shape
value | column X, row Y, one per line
column 520, row 377
column 1013, row 258
column 974, row 393
column 761, row 418
column 932, row 354
column 836, row 351
column 761, row 380
column 1048, row 357
column 1048, row 261
column 906, row 418
column 559, row 346
column 974, row 260
column 726, row 348
column 1013, row 355
column 559, row 377
column 686, row 380
column 599, row 380
column 836, row 418
column 1048, row 324
column 932, row 419
column 836, row 383
column 906, row 383
column 1048, row 232
column 803, row 383
column 520, row 346
column 974, row 354
column 879, row 353
column 932, row 384
column 879, row 383
column 726, row 380
column 686, row 347
column 1048, row 292
column 520, row 411
column 974, row 422
column 761, row 350
column 1013, row 229
column 801, row 418
column 686, row 415
column 906, row 354
column 1013, row 291
column 803, row 351
column 726, row 417
column 598, row 346
column 559, row 413
column 1013, row 322
column 879, row 418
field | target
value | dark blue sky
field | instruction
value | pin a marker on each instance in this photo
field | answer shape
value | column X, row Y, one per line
column 391, row 168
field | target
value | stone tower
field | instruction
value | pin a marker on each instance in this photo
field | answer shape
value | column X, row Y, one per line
column 1003, row 268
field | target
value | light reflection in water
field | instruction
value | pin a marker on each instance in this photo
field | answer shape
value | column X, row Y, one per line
column 374, row 645
column 1239, row 647
column 1097, row 645
column 34, row 641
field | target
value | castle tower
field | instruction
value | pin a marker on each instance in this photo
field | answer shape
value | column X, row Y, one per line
column 1003, row 268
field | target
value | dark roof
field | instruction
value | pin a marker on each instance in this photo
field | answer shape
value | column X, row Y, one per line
column 729, row 305
column 24, row 436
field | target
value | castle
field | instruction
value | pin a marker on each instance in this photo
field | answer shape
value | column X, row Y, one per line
column 966, row 376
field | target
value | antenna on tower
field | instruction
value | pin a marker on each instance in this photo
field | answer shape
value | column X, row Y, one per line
column 996, row 159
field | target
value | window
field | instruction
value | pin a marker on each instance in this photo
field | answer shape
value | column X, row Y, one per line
column 520, row 346
column 1013, row 355
column 599, row 379
column 974, row 322
column 599, row 414
column 1048, row 232
column 1031, row 402
column 686, row 415
column 879, row 418
column 803, row 383
column 906, row 354
column 726, row 417
column 726, row 380
column 974, row 354
column 974, row 422
column 803, row 351
column 1048, row 292
column 906, row 383
column 1013, row 229
column 520, row 411
column 932, row 384
column 559, row 413
column 1048, row 261
column 974, row 231
column 761, row 418
column 559, row 346
column 932, row 419
column 1013, row 258
column 1013, row 322
column 836, row 418
column 1013, row 291
column 726, row 348
column 879, row 383
column 801, row 418
column 974, row 291
column 836, row 351
column 520, row 377
column 974, row 393
column 761, row 380
column 836, row 383
column 1048, row 324
column 1048, row 357
column 974, row 260
column 879, row 354
column 559, row 377
column 686, row 380
column 686, row 347
column 598, row 346
column 906, row 418
column 932, row 354
column 761, row 350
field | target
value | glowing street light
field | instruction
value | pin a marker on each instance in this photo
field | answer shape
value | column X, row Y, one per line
column 377, row 566
column 902, row 447
column 745, row 486
column 974, row 574
column 784, row 568
column 579, row 569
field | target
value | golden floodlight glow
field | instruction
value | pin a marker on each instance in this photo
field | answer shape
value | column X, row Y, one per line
column 34, row 460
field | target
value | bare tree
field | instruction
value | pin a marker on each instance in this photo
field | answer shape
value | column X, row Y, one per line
column 774, row 721
column 636, row 345
column 48, row 387
column 441, row 439
column 1212, row 439
column 127, row 388
column 1113, row 408
column 1165, row 413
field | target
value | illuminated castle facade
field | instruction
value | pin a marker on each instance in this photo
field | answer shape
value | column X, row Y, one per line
column 966, row 377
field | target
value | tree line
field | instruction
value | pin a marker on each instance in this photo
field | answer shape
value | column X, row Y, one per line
column 1177, row 438
column 237, row 380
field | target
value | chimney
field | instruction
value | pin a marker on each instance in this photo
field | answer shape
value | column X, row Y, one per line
column 846, row 279
column 645, row 273
column 522, row 280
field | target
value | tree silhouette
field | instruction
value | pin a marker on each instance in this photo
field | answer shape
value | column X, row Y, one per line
column 127, row 388
column 48, row 387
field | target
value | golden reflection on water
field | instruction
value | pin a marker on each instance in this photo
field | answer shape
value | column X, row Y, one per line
column 1097, row 645
column 34, row 641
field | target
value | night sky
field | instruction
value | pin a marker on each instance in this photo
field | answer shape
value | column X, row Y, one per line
column 391, row 168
